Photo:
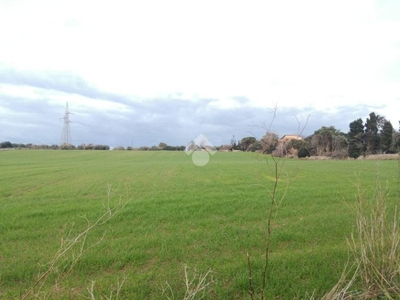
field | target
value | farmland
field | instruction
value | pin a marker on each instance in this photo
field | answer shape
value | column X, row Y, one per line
column 177, row 214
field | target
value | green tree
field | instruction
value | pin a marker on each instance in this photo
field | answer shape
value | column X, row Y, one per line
column 340, row 146
column 303, row 152
column 356, row 138
column 5, row 145
column 293, row 147
column 256, row 146
column 327, row 140
column 386, row 136
column 395, row 147
column 372, row 138
column 246, row 142
column 162, row 145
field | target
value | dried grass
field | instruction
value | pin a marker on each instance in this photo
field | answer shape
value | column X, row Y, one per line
column 376, row 246
column 375, row 250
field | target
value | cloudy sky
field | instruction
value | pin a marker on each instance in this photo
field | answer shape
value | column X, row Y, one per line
column 143, row 72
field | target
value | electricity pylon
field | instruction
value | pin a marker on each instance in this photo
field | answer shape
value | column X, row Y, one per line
column 66, row 133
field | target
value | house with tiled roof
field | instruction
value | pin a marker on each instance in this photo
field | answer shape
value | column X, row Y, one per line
column 289, row 137
column 281, row 149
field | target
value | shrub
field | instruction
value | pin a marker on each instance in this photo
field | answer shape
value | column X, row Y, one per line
column 355, row 154
column 254, row 147
column 63, row 146
column 119, row 148
column 303, row 152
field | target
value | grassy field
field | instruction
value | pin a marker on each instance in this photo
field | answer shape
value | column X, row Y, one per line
column 177, row 213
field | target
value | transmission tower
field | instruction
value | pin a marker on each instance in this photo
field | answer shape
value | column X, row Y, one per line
column 66, row 133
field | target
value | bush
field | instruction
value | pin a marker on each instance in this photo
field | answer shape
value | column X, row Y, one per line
column 254, row 147
column 63, row 146
column 355, row 154
column 303, row 152
column 118, row 148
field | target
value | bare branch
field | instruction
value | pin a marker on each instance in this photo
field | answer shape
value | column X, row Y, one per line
column 68, row 243
column 299, row 128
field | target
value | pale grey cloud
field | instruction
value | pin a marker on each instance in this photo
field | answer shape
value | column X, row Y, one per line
column 100, row 117
column 147, row 75
column 61, row 81
column 174, row 121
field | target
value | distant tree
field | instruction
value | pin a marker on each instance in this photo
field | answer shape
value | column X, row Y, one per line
column 269, row 142
column 256, row 146
column 303, row 152
column 101, row 147
column 5, row 145
column 372, row 126
column 89, row 146
column 63, row 146
column 246, row 142
column 340, row 145
column 356, row 138
column 20, row 146
column 298, row 144
column 395, row 147
column 238, row 146
column 326, row 140
column 225, row 147
column 290, row 147
column 232, row 146
column 356, row 127
column 174, row 148
column 162, row 145
column 386, row 136
column 119, row 148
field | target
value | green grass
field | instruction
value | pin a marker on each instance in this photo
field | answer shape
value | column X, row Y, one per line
column 178, row 213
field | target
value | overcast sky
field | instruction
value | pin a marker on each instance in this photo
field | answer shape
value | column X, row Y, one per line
column 144, row 72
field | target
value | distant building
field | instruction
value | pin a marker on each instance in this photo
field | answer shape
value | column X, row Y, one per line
column 289, row 137
column 281, row 149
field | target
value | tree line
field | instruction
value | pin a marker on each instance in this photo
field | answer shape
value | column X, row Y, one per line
column 90, row 146
column 9, row 145
column 374, row 136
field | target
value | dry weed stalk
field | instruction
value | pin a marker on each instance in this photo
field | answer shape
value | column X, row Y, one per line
column 342, row 289
column 273, row 210
column 196, row 287
column 275, row 202
column 112, row 296
column 72, row 247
